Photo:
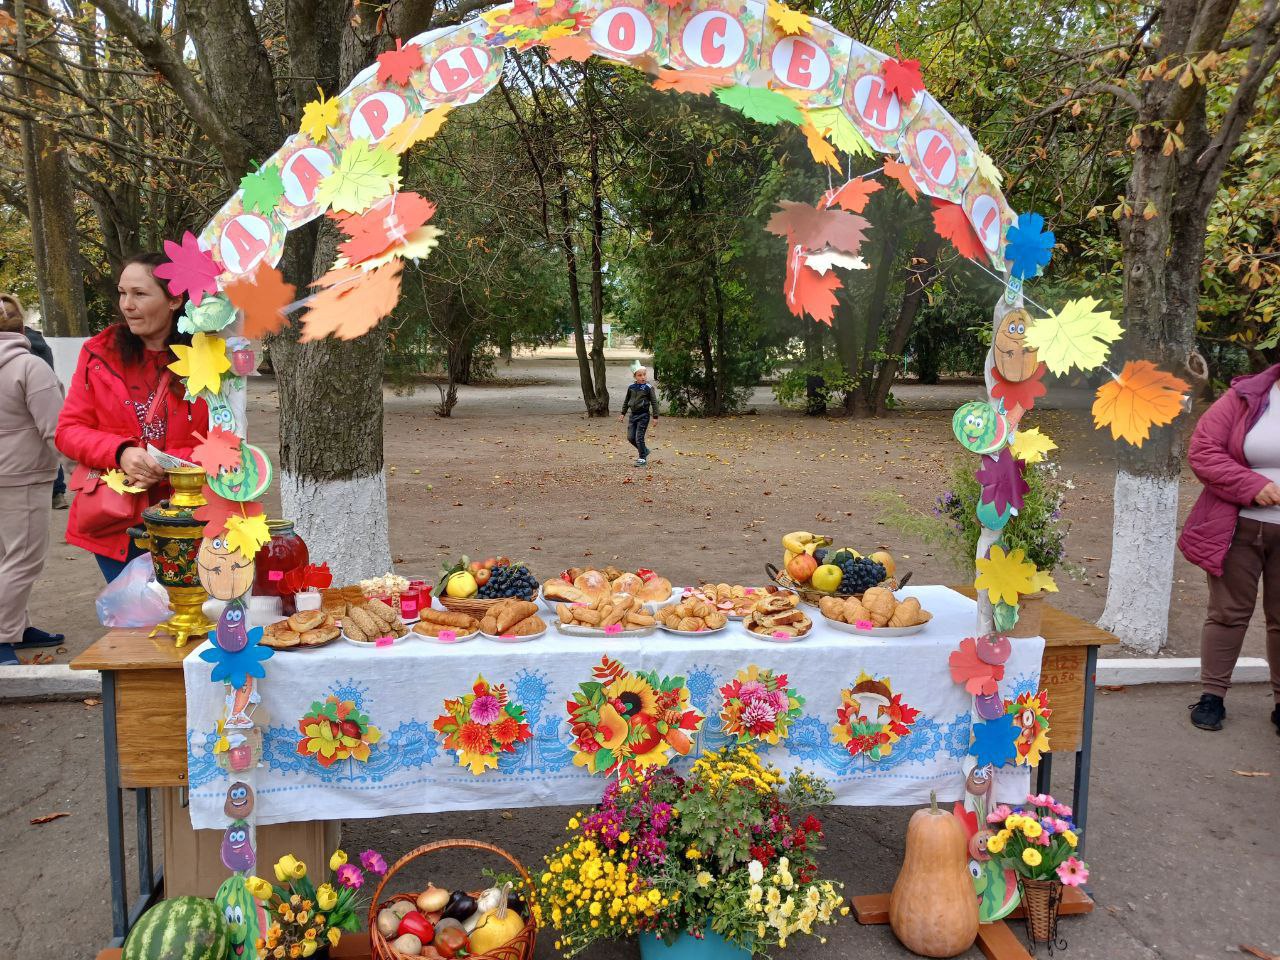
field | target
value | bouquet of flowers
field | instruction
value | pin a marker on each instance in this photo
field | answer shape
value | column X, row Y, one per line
column 305, row 916
column 730, row 849
column 1037, row 841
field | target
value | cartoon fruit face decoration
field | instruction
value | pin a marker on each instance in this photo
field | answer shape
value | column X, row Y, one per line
column 248, row 481
column 224, row 573
column 246, row 918
column 237, row 851
column 980, row 780
column 232, row 634
column 994, row 648
column 1014, row 359
column 239, row 802
column 979, row 427
column 801, row 567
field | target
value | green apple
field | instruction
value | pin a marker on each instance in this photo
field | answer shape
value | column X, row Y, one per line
column 827, row 578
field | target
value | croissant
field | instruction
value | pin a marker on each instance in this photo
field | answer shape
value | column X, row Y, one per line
column 854, row 611
column 689, row 625
column 880, row 604
column 715, row 620
column 832, row 608
column 906, row 613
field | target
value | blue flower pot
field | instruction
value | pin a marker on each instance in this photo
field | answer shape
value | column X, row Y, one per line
column 712, row 946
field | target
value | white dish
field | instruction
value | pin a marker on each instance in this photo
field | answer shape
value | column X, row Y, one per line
column 769, row 638
column 373, row 644
column 690, row 633
column 649, row 605
column 512, row 638
column 874, row 631
column 577, row 631
column 459, row 638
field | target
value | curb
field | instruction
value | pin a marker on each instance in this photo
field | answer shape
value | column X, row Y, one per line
column 50, row 681
column 1125, row 672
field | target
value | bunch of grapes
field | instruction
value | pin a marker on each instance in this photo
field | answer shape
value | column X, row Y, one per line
column 860, row 574
column 513, row 581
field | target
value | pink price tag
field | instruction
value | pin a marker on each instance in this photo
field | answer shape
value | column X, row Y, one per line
column 613, row 628
column 576, row 604
column 750, row 591
column 384, row 641
column 865, row 625
column 446, row 636
column 781, row 635
column 274, row 575
column 507, row 636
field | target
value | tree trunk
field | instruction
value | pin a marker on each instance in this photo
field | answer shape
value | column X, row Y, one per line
column 722, row 345
column 708, row 364
column 918, row 281
column 575, row 296
column 599, row 404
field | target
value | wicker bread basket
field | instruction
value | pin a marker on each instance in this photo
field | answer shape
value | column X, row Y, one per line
column 810, row 595
column 471, row 606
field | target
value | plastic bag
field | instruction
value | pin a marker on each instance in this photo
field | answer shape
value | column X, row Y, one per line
column 133, row 599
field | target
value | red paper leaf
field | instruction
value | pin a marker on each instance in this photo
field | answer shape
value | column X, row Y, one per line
column 902, row 173
column 902, row 77
column 220, row 450
column 573, row 47
column 1021, row 394
column 399, row 65
column 814, row 228
column 671, row 4
column 853, row 196
column 262, row 297
column 351, row 302
column 383, row 225
column 951, row 223
column 978, row 678
column 216, row 510
column 808, row 291
column 692, row 81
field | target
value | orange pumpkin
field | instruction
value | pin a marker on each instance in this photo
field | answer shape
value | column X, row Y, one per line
column 801, row 567
column 933, row 910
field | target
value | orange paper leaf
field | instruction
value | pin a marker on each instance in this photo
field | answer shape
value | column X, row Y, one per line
column 692, row 81
column 220, row 450
column 386, row 223
column 351, row 302
column 810, row 292
column 951, row 223
column 815, row 228
column 573, row 47
column 822, row 151
column 902, row 173
column 262, row 296
column 217, row 509
column 1141, row 397
column 853, row 196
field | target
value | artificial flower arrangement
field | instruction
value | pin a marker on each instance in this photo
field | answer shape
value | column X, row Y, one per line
column 1037, row 841
column 728, row 851
column 306, row 917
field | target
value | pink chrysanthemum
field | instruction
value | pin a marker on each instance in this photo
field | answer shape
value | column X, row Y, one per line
column 999, row 814
column 485, row 709
column 778, row 698
column 751, row 690
column 759, row 717
column 350, row 876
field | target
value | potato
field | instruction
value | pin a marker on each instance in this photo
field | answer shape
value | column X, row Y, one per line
column 408, row 944
column 401, row 907
column 388, row 923
column 431, row 953
column 432, row 899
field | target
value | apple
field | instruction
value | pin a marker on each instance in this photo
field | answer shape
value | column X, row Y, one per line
column 483, row 575
column 490, row 563
column 502, row 562
column 827, row 578
column 476, row 566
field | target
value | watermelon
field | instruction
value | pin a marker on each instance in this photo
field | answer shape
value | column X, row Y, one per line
column 184, row 928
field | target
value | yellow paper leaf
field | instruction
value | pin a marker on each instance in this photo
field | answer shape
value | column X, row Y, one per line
column 1140, row 397
column 115, row 479
column 839, row 129
column 318, row 116
column 1031, row 446
column 1077, row 335
column 789, row 21
column 822, row 151
column 202, row 364
column 364, row 173
column 1043, row 580
column 414, row 130
column 247, row 534
column 987, row 168
column 1004, row 575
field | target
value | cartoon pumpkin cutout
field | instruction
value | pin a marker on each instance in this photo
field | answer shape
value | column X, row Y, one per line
column 225, row 573
column 1014, row 359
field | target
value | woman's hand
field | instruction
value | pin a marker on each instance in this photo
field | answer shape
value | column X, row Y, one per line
column 1268, row 496
column 140, row 468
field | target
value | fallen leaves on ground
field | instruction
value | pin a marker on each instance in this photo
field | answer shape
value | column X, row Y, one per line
column 49, row 818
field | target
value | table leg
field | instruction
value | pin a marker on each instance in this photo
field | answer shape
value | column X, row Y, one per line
column 1044, row 774
column 1080, row 793
column 115, row 812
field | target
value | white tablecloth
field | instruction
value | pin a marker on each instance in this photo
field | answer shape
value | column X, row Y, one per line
column 402, row 689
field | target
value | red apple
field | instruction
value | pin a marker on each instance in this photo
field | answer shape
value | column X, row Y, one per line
column 502, row 562
column 490, row 563
column 415, row 923
column 476, row 566
column 482, row 576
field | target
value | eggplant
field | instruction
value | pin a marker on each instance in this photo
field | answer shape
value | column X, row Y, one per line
column 460, row 907
column 516, row 902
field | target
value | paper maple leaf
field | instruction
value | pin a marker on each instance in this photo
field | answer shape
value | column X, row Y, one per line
column 573, row 47
column 318, row 116
column 201, row 364
column 1023, row 393
column 217, row 509
column 262, row 297
column 979, row 678
column 1004, row 576
column 399, row 65
column 1076, row 335
column 1002, row 482
column 247, row 534
column 220, row 450
column 364, row 173
column 351, row 302
column 261, row 190
column 790, row 22
column 190, row 270
column 1140, row 397
column 1043, row 580
column 822, row 151
column 386, row 224
column 1032, row 446
column 853, row 196
column 902, row 173
column 951, row 223
column 414, row 130
column 839, row 129
column 692, row 81
column 758, row 103
column 115, row 480
column 987, row 167
column 808, row 291
column 902, row 77
column 814, row 228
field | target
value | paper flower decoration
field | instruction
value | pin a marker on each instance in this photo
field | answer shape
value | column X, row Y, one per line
column 758, row 705
column 761, row 104
column 1004, row 575
column 1030, row 713
column 1002, row 482
column 237, row 667
column 788, row 21
column 1140, row 397
column 1076, row 335
column 622, row 722
column 190, row 270
column 201, row 364
column 115, row 480
column 980, row 678
column 247, row 534
column 482, row 724
column 261, row 190
column 364, row 173
column 1028, row 245
column 262, row 297
column 1031, row 446
column 318, row 116
column 871, row 718
column 993, row 741
column 213, row 314
column 334, row 730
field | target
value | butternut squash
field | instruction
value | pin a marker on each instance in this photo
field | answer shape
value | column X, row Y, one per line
column 933, row 909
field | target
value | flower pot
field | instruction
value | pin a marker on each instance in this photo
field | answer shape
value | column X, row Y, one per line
column 1040, row 902
column 711, row 946
column 1030, row 612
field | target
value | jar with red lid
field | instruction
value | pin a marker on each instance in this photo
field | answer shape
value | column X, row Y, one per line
column 286, row 551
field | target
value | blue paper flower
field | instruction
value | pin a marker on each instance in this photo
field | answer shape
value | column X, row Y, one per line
column 993, row 741
column 236, row 668
column 1028, row 246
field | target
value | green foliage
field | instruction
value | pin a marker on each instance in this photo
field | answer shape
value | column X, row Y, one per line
column 791, row 387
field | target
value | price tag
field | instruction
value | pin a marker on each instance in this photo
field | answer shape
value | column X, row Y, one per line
column 274, row 575
column 384, row 641
column 613, row 628
column 446, row 636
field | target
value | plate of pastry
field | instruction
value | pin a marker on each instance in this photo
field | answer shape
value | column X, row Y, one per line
column 605, row 616
column 580, row 586
column 733, row 600
column 444, row 626
column 776, row 617
column 513, row 621
column 365, row 624
column 877, row 613
column 302, row 631
column 692, row 618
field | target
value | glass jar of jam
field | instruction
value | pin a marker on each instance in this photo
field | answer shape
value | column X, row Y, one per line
column 286, row 551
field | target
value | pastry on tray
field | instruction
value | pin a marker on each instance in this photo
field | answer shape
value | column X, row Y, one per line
column 733, row 600
column 512, row 617
column 431, row 622
column 368, row 620
column 878, row 607
column 692, row 616
column 603, row 612
column 580, row 585
column 778, row 614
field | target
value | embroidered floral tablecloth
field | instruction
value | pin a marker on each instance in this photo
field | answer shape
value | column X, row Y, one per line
column 484, row 724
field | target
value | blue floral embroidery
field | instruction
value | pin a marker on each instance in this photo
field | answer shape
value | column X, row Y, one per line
column 546, row 752
column 957, row 735
column 1027, row 683
column 202, row 766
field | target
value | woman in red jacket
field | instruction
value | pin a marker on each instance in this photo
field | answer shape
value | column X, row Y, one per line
column 1233, row 532
column 104, row 422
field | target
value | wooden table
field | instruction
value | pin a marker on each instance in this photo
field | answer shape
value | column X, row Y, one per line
column 144, row 720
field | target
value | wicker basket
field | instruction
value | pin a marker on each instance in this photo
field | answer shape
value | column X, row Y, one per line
column 519, row 947
column 1041, row 900
column 812, row 596
column 471, row 606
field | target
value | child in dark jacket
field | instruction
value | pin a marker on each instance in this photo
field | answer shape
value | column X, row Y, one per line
column 641, row 402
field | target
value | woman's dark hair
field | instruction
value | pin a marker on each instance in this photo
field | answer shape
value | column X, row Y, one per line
column 129, row 343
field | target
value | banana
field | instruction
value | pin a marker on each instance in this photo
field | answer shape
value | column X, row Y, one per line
column 796, row 542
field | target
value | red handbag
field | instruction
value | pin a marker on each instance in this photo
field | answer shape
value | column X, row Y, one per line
column 101, row 511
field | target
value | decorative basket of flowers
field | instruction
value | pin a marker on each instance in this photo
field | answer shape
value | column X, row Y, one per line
column 721, row 863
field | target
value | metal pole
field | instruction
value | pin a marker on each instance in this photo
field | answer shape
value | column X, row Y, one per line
column 1080, row 793
column 115, row 811
column 146, row 876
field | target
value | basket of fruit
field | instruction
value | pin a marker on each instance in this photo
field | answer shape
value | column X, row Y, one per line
column 814, row 569
column 472, row 587
column 492, row 924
